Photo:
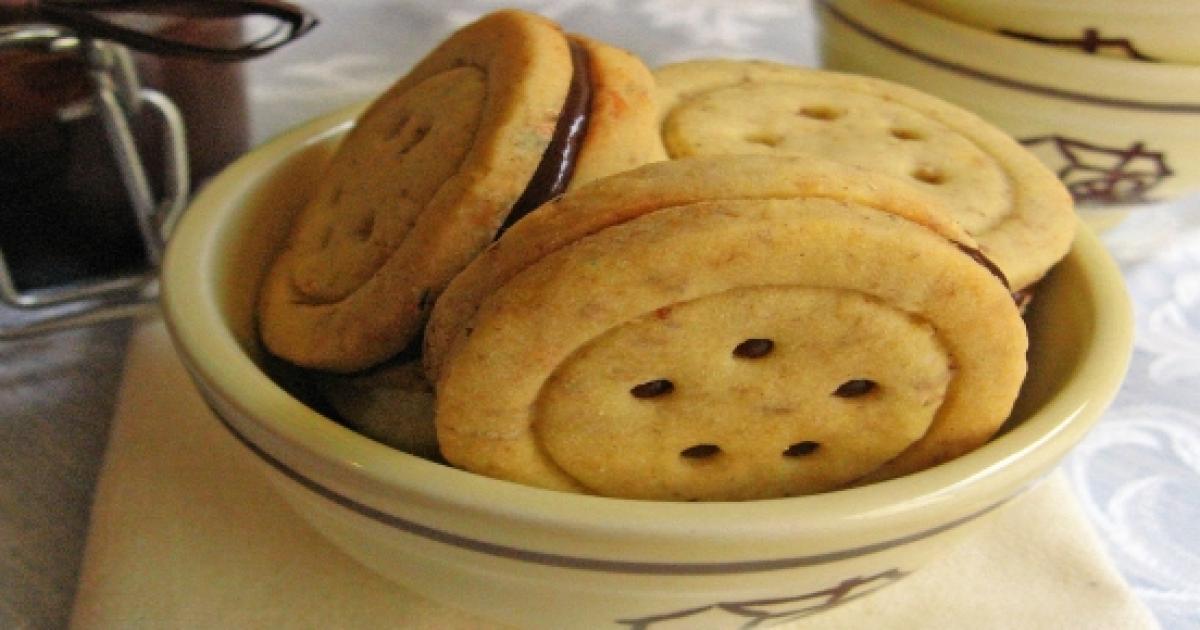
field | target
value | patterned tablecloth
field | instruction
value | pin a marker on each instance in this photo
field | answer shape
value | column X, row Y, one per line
column 1137, row 473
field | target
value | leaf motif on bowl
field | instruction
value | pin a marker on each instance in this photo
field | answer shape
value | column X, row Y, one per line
column 754, row 613
column 1091, row 42
column 1100, row 174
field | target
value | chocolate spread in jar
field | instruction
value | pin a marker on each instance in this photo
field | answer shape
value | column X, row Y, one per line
column 63, row 209
column 65, row 215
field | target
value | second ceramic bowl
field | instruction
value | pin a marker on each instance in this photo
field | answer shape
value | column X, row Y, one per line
column 1162, row 30
column 1120, row 134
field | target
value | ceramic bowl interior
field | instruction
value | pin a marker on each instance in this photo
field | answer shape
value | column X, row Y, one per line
column 1163, row 30
column 1121, row 134
column 445, row 532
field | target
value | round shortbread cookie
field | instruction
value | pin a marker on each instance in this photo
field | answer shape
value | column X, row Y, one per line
column 732, row 349
column 656, row 186
column 1014, row 206
column 431, row 171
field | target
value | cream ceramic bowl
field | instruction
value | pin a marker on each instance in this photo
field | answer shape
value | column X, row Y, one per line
column 1120, row 134
column 1158, row 30
column 538, row 558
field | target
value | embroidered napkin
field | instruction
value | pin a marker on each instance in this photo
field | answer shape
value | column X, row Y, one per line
column 185, row 533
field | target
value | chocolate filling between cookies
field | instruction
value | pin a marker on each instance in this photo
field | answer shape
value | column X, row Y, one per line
column 554, row 172
column 1021, row 297
column 987, row 263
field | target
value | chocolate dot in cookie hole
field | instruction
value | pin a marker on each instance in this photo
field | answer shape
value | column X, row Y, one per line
column 854, row 388
column 753, row 348
column 800, row 449
column 929, row 175
column 652, row 389
column 701, row 451
column 820, row 112
column 907, row 134
column 765, row 139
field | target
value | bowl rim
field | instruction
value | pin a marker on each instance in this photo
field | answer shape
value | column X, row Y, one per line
column 1170, row 8
column 279, row 427
column 986, row 56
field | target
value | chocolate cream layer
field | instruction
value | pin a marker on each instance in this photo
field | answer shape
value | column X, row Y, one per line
column 1021, row 296
column 986, row 262
column 553, row 173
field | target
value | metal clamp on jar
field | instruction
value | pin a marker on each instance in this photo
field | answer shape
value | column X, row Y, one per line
column 94, row 165
column 115, row 100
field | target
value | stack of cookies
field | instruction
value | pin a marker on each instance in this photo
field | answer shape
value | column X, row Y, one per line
column 538, row 260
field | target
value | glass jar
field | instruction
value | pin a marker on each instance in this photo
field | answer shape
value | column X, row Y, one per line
column 65, row 206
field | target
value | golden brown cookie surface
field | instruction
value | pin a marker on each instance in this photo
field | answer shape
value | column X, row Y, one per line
column 1017, row 210
column 731, row 349
column 724, row 387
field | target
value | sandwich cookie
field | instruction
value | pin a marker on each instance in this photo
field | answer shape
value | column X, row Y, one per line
column 722, row 329
column 503, row 115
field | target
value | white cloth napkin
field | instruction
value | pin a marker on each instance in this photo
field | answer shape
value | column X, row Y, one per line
column 186, row 534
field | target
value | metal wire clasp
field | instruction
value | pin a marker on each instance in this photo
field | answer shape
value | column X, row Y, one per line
column 116, row 98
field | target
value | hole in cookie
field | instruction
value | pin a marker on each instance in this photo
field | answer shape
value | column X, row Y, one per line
column 765, row 139
column 406, row 133
column 820, row 112
column 855, row 388
column 652, row 389
column 753, row 348
column 364, row 226
column 929, row 175
column 417, row 136
column 907, row 134
column 701, row 451
column 396, row 127
column 800, row 449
